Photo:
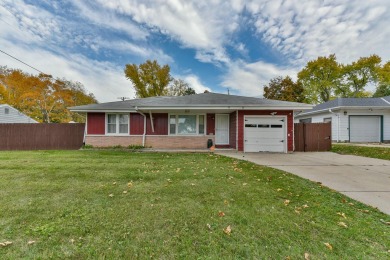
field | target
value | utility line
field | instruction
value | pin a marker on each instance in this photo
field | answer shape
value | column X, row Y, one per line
column 22, row 62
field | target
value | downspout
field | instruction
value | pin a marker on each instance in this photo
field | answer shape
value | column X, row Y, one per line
column 338, row 123
column 151, row 120
column 144, row 134
column 85, row 128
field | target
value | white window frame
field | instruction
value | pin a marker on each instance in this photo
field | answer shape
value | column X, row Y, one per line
column 177, row 124
column 117, row 124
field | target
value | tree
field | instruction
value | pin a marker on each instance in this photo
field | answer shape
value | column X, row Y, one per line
column 149, row 79
column 358, row 74
column 284, row 89
column 320, row 79
column 383, row 86
column 180, row 88
column 42, row 97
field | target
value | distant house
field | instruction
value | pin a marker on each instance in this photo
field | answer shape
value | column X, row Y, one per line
column 353, row 119
column 9, row 114
column 236, row 122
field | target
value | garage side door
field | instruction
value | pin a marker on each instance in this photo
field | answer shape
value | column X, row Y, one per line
column 263, row 134
column 364, row 129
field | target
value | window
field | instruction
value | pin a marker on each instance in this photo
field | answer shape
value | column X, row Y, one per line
column 306, row 120
column 328, row 120
column 117, row 124
column 186, row 124
column 6, row 110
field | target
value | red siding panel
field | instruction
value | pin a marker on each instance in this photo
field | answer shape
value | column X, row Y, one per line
column 290, row 126
column 210, row 124
column 232, row 129
column 160, row 122
column 96, row 123
column 136, row 124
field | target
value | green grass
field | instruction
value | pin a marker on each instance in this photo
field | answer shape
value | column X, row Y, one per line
column 372, row 152
column 71, row 203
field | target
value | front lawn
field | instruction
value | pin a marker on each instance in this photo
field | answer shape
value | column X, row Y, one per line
column 122, row 205
column 372, row 152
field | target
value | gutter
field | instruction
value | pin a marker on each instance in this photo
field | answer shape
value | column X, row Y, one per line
column 144, row 134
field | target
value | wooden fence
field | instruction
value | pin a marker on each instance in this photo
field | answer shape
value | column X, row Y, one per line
column 41, row 136
column 312, row 137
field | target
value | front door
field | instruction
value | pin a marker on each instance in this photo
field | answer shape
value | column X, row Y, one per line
column 222, row 129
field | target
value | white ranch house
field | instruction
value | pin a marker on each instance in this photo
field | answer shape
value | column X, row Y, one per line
column 353, row 119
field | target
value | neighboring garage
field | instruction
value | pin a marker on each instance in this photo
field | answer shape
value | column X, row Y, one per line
column 353, row 119
column 265, row 134
column 365, row 128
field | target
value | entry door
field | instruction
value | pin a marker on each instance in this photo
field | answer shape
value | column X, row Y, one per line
column 222, row 129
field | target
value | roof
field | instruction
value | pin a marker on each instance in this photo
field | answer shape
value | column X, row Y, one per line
column 199, row 101
column 14, row 115
column 380, row 102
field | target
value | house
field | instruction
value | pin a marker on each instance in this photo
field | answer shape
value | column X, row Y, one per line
column 353, row 119
column 9, row 114
column 242, row 123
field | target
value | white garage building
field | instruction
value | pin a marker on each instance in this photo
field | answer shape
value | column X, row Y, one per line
column 353, row 119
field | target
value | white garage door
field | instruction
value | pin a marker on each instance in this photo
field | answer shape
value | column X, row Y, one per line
column 364, row 129
column 264, row 134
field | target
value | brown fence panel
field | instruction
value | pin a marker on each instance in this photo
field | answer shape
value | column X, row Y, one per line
column 41, row 136
column 312, row 137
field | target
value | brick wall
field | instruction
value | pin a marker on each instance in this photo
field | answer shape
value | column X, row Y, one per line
column 162, row 142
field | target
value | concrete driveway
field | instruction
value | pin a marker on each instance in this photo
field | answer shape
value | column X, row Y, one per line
column 363, row 179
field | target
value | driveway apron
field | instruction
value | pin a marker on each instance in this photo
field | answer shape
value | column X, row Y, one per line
column 364, row 179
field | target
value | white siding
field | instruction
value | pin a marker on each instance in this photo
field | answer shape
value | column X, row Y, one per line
column 340, row 122
column 13, row 116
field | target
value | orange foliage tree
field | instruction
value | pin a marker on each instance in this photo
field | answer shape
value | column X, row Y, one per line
column 43, row 97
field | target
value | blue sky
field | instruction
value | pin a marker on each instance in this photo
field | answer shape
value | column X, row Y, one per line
column 211, row 44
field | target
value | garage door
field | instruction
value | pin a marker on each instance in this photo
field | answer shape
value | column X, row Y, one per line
column 364, row 129
column 264, row 134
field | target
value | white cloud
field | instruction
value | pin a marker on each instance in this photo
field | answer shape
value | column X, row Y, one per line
column 195, row 83
column 320, row 28
column 104, row 79
column 203, row 25
column 248, row 79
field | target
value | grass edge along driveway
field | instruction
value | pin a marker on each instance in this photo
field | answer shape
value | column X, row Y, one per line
column 116, row 204
column 372, row 152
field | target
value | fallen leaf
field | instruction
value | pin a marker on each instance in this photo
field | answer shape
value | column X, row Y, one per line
column 178, row 170
column 192, row 184
column 225, row 202
column 286, row 202
column 6, row 243
column 227, row 230
column 244, row 184
column 208, row 226
column 342, row 224
column 111, row 195
column 329, row 246
column 307, row 256
column 385, row 222
column 305, row 206
column 114, row 183
column 364, row 210
column 279, row 189
column 30, row 242
column 351, row 204
column 125, row 191
column 288, row 258
column 130, row 184
column 341, row 214
column 221, row 214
